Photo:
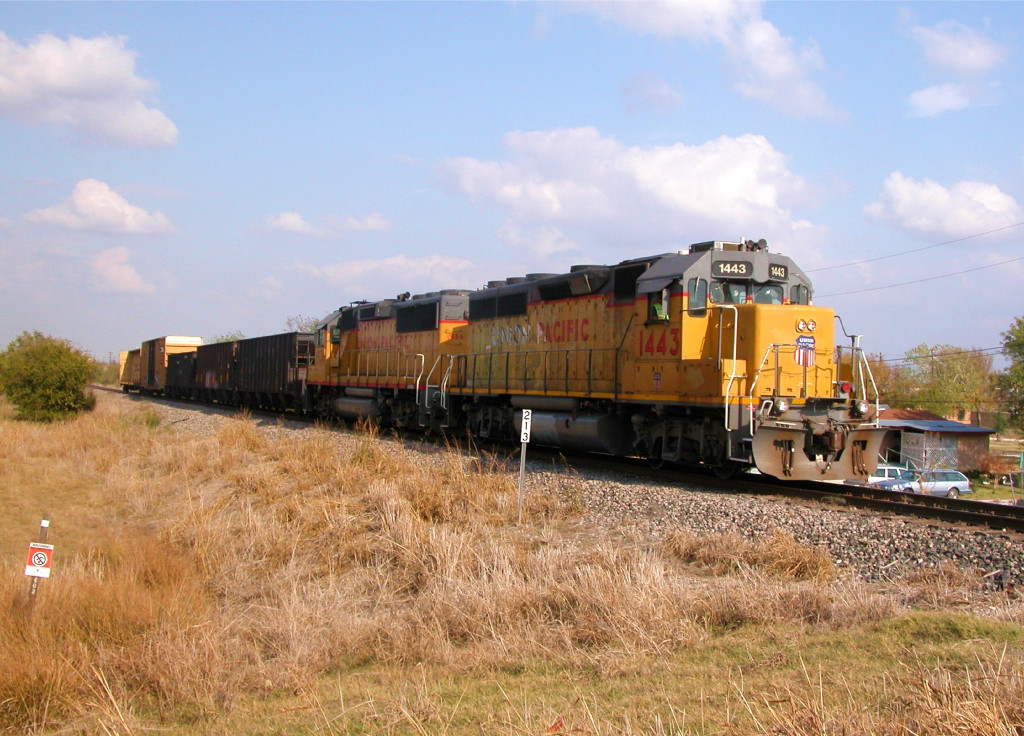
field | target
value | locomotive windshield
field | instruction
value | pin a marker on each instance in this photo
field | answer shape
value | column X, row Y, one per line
column 736, row 292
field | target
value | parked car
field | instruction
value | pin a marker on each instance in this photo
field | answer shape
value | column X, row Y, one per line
column 949, row 483
column 885, row 472
column 904, row 481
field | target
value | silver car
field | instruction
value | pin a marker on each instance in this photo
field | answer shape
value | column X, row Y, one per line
column 949, row 483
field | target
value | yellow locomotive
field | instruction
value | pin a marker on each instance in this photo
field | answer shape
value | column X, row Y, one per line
column 716, row 356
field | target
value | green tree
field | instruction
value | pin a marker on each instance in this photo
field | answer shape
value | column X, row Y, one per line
column 226, row 337
column 46, row 377
column 302, row 323
column 1011, row 383
column 943, row 379
column 895, row 383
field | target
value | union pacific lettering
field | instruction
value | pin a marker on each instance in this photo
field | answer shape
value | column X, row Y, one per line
column 379, row 335
column 511, row 335
column 379, row 342
column 555, row 331
column 564, row 330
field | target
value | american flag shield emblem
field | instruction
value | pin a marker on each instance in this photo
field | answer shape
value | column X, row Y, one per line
column 805, row 351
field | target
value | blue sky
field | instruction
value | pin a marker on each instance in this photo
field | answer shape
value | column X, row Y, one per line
column 204, row 168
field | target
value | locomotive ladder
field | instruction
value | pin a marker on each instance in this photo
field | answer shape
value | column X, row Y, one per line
column 435, row 396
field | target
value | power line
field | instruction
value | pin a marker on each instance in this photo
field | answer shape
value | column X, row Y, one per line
column 914, row 250
column 941, row 356
column 921, row 281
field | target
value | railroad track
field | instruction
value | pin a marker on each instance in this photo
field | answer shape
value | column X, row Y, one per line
column 1001, row 517
column 994, row 516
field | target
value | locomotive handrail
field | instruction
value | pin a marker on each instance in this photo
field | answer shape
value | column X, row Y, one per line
column 773, row 348
column 855, row 348
column 443, row 386
column 419, row 378
column 549, row 371
column 733, row 375
column 859, row 365
column 618, row 353
column 368, row 363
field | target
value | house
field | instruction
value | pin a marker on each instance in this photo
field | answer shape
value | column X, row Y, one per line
column 926, row 440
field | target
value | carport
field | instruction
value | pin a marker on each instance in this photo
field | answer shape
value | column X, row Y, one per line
column 921, row 439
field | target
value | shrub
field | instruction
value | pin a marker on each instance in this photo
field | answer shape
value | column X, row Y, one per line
column 45, row 377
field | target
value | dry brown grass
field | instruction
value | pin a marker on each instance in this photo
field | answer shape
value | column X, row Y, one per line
column 921, row 699
column 207, row 570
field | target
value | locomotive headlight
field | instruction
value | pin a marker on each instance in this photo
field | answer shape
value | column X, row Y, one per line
column 859, row 408
column 781, row 407
column 812, row 325
column 801, row 325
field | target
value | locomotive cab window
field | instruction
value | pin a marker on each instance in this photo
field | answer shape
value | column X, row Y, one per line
column 767, row 294
column 657, row 305
column 728, row 292
column 800, row 294
column 698, row 301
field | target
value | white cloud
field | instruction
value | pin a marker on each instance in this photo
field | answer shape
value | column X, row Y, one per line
column 951, row 47
column 395, row 274
column 293, row 222
column 670, row 19
column 266, row 289
column 569, row 186
column 969, row 56
column 333, row 227
column 543, row 242
column 941, row 98
column 95, row 207
column 88, row 86
column 646, row 92
column 769, row 66
column 926, row 207
column 373, row 222
column 112, row 272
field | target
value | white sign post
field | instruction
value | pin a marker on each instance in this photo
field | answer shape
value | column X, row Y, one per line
column 525, row 439
column 40, row 558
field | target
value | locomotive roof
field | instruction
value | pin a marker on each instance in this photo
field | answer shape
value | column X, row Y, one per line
column 702, row 259
column 663, row 269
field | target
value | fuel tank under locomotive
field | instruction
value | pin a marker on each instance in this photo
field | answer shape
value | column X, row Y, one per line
column 557, row 423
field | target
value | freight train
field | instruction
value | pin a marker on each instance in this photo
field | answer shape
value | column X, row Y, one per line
column 715, row 356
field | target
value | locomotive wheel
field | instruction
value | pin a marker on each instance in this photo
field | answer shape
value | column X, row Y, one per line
column 726, row 470
column 654, row 458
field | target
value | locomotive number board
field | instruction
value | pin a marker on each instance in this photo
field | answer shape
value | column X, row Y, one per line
column 745, row 270
column 732, row 270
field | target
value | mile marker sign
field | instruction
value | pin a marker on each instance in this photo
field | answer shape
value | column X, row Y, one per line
column 525, row 437
column 40, row 556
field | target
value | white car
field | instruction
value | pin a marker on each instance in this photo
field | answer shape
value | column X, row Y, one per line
column 885, row 472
